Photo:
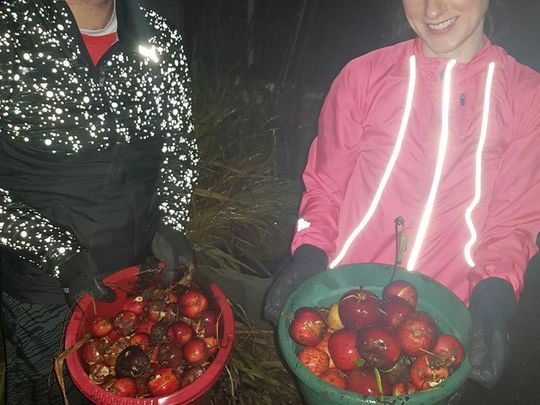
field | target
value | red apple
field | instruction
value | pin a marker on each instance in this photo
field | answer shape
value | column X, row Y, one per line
column 157, row 309
column 191, row 375
column 209, row 323
column 308, row 327
column 169, row 355
column 379, row 347
column 212, row 344
column 142, row 340
column 363, row 381
column 417, row 333
column 196, row 351
column 179, row 333
column 403, row 388
column 323, row 345
column 124, row 387
column 192, row 304
column 334, row 377
column 450, row 350
column 315, row 360
column 93, row 351
column 359, row 309
column 426, row 372
column 163, row 382
column 394, row 310
column 402, row 289
column 100, row 327
column 126, row 322
column 145, row 326
column 343, row 351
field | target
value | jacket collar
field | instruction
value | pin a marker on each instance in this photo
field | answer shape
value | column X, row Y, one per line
column 434, row 65
column 133, row 28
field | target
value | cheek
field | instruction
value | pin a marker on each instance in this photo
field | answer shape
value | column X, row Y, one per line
column 413, row 10
column 480, row 6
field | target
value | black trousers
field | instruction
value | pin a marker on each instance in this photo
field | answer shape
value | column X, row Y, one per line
column 33, row 338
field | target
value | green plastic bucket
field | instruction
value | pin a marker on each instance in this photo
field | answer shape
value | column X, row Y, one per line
column 326, row 288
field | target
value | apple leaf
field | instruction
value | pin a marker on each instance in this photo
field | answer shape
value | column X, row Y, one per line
column 359, row 362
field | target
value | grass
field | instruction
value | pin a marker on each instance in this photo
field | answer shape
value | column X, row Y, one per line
column 255, row 374
column 243, row 211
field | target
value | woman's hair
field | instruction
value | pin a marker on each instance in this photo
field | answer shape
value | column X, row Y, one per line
column 398, row 29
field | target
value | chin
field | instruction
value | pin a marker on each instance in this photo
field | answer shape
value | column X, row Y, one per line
column 447, row 49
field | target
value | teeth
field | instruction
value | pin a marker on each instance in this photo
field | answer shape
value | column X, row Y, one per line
column 442, row 25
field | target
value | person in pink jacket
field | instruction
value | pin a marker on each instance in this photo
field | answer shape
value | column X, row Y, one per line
column 439, row 138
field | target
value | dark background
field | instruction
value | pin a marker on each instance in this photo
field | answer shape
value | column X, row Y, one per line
column 300, row 46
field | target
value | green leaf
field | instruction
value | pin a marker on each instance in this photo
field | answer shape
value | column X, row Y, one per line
column 359, row 362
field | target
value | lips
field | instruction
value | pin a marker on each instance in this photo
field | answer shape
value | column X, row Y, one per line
column 441, row 26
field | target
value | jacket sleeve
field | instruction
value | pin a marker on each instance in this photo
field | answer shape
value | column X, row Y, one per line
column 331, row 160
column 507, row 241
column 179, row 152
column 32, row 236
column 24, row 230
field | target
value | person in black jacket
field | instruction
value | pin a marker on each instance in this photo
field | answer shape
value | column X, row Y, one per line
column 97, row 166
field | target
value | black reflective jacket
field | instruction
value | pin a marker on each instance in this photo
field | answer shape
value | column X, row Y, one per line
column 91, row 157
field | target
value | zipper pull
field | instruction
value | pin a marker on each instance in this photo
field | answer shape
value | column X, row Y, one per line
column 462, row 100
column 401, row 240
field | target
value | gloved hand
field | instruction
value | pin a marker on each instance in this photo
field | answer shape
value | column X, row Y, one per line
column 172, row 248
column 491, row 306
column 306, row 261
column 78, row 276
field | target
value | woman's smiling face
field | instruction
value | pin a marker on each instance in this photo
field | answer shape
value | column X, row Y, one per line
column 451, row 29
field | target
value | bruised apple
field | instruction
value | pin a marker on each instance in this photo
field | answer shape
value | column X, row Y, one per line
column 315, row 360
column 427, row 372
column 450, row 350
column 100, row 327
column 126, row 322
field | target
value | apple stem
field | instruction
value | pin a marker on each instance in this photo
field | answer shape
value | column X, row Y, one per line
column 379, row 382
column 428, row 352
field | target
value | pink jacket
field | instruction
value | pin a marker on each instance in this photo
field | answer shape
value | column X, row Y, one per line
column 454, row 149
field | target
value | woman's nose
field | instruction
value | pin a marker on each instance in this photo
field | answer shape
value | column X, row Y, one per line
column 435, row 8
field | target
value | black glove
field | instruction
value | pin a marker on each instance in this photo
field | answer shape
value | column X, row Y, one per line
column 492, row 304
column 78, row 276
column 172, row 248
column 306, row 261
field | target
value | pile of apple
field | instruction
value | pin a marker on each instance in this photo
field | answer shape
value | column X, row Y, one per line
column 160, row 342
column 375, row 346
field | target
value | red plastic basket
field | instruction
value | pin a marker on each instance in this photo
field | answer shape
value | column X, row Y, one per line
column 123, row 282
